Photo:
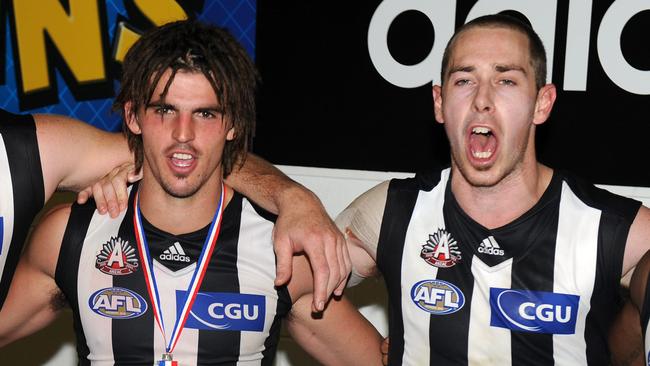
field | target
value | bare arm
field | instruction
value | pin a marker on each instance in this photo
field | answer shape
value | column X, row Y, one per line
column 625, row 336
column 638, row 242
column 361, row 222
column 303, row 225
column 338, row 336
column 34, row 299
column 74, row 154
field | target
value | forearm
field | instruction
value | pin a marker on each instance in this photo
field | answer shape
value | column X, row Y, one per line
column 341, row 336
column 266, row 185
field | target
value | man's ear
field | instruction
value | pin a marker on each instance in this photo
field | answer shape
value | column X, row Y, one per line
column 544, row 103
column 131, row 118
column 437, row 103
column 231, row 134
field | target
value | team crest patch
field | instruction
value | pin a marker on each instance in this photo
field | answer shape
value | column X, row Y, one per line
column 117, row 257
column 437, row 297
column 117, row 303
column 441, row 250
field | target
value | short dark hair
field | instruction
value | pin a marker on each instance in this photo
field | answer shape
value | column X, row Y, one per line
column 536, row 47
column 192, row 46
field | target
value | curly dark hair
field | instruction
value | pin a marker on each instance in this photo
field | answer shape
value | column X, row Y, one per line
column 192, row 46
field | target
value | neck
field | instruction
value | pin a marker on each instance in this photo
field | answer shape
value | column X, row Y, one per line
column 507, row 200
column 180, row 215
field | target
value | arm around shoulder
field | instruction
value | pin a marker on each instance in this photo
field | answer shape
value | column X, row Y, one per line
column 75, row 154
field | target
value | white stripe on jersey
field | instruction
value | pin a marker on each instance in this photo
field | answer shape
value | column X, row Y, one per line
column 255, row 256
column 575, row 257
column 168, row 281
column 6, row 205
column 89, row 281
column 416, row 336
column 487, row 345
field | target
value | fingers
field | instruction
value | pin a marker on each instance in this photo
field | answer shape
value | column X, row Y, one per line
column 284, row 258
column 320, row 263
column 83, row 196
column 134, row 176
column 346, row 266
column 111, row 192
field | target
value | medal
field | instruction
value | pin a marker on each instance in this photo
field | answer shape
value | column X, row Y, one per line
column 195, row 282
column 166, row 360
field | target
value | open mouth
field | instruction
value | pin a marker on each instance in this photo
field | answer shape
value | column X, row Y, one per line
column 182, row 160
column 482, row 143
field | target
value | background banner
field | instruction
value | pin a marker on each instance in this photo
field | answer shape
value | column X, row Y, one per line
column 347, row 84
column 63, row 56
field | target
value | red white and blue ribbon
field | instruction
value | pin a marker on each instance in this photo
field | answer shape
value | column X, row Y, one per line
column 197, row 277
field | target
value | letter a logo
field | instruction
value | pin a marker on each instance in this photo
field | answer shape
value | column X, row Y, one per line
column 441, row 250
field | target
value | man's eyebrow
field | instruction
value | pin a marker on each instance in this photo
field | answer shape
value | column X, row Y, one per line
column 158, row 104
column 461, row 69
column 506, row 68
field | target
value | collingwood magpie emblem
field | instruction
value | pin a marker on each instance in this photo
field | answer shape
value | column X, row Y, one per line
column 117, row 257
column 441, row 250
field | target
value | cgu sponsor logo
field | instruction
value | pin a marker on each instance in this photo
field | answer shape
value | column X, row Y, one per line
column 533, row 311
column 437, row 297
column 117, row 303
column 224, row 311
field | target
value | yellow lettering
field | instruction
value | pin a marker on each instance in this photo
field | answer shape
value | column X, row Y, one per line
column 77, row 37
column 158, row 11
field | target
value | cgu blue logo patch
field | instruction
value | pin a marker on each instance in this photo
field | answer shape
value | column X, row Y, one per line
column 437, row 297
column 533, row 311
column 224, row 311
column 117, row 303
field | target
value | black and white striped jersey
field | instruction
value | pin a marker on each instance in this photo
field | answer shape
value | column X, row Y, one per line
column 235, row 319
column 541, row 290
column 21, row 190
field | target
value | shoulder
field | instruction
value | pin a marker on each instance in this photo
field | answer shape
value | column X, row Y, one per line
column 602, row 199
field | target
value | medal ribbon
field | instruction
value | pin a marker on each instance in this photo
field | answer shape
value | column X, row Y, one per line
column 197, row 277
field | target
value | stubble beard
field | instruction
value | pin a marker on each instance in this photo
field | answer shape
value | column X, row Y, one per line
column 184, row 192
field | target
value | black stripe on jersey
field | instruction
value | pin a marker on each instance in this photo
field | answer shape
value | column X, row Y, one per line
column 67, row 268
column 449, row 334
column 283, row 305
column 223, row 265
column 271, row 343
column 617, row 216
column 400, row 201
column 535, row 267
column 19, row 136
column 612, row 236
column 138, row 330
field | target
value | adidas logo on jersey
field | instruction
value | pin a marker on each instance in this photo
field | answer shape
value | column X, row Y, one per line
column 175, row 253
column 490, row 246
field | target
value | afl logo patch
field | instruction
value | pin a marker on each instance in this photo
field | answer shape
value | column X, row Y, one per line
column 437, row 297
column 117, row 303
column 441, row 250
column 117, row 257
